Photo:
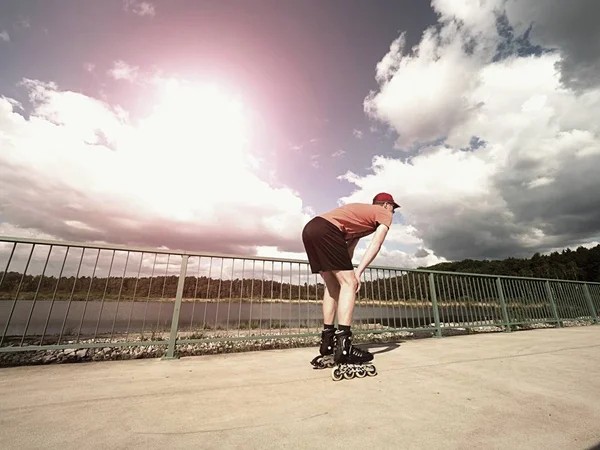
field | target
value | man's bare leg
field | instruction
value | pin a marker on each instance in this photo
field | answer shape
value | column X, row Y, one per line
column 345, row 352
column 347, row 295
column 330, row 299
column 330, row 302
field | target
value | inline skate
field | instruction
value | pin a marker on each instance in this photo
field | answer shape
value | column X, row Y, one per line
column 350, row 361
column 325, row 358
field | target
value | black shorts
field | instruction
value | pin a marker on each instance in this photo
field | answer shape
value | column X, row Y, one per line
column 325, row 246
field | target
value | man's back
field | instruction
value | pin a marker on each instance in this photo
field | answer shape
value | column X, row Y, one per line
column 357, row 220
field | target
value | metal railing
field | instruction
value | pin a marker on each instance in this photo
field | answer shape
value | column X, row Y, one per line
column 67, row 295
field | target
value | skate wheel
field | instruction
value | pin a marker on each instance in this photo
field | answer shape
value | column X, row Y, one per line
column 348, row 375
column 336, row 374
column 361, row 373
column 371, row 371
column 328, row 362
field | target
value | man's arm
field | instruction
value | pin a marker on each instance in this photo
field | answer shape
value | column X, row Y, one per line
column 374, row 247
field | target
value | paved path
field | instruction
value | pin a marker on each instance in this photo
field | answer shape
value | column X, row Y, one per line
column 524, row 390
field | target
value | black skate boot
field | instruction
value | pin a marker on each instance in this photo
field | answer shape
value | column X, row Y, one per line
column 350, row 361
column 325, row 358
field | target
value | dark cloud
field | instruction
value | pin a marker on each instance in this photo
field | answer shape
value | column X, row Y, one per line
column 513, row 169
column 421, row 253
column 563, row 212
column 571, row 27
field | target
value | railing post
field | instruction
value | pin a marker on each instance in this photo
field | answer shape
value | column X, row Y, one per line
column 434, row 303
column 588, row 297
column 553, row 304
column 176, row 309
column 503, row 305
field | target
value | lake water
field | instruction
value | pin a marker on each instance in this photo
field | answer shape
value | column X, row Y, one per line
column 137, row 316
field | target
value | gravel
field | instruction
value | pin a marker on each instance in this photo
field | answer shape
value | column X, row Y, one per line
column 112, row 352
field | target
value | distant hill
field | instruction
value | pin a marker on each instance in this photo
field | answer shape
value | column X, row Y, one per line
column 582, row 264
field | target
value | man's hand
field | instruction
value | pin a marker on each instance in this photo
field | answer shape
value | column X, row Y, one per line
column 358, row 274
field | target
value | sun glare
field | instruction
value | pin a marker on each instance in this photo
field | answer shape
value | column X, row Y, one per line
column 195, row 125
column 195, row 138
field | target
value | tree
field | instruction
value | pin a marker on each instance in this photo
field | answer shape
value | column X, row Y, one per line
column 582, row 264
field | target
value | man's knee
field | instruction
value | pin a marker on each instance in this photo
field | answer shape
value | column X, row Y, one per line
column 331, row 281
column 347, row 278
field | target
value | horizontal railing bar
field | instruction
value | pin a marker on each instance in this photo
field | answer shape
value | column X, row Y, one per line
column 144, row 249
column 301, row 335
column 498, row 324
column 431, row 329
column 26, row 348
column 260, row 258
column 261, row 337
column 32, row 348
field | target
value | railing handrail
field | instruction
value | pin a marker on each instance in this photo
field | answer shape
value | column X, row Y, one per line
column 97, row 246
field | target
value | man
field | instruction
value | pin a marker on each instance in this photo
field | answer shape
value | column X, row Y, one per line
column 330, row 240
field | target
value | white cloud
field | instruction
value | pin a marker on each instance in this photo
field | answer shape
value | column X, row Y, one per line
column 139, row 7
column 399, row 235
column 298, row 147
column 16, row 104
column 314, row 161
column 89, row 67
column 403, row 234
column 587, row 245
column 477, row 16
column 386, row 257
column 7, row 229
column 338, row 153
column 357, row 134
column 397, row 258
column 570, row 27
column 23, row 22
column 123, row 71
column 80, row 169
column 267, row 251
column 430, row 88
column 4, row 36
column 530, row 182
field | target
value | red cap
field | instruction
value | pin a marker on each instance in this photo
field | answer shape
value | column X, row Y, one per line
column 385, row 197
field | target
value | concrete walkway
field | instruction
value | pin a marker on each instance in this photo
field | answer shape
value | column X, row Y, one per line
column 535, row 389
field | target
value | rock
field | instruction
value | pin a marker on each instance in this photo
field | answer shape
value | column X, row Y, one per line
column 82, row 353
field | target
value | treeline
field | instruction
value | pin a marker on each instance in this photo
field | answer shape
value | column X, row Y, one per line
column 411, row 285
column 581, row 265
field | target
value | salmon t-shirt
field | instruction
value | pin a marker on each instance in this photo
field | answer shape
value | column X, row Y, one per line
column 357, row 220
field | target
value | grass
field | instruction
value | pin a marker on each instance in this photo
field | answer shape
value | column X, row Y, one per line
column 366, row 302
column 124, row 298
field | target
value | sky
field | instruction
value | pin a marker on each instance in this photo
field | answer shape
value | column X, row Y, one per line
column 224, row 126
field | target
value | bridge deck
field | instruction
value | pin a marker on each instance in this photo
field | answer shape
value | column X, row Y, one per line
column 521, row 390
